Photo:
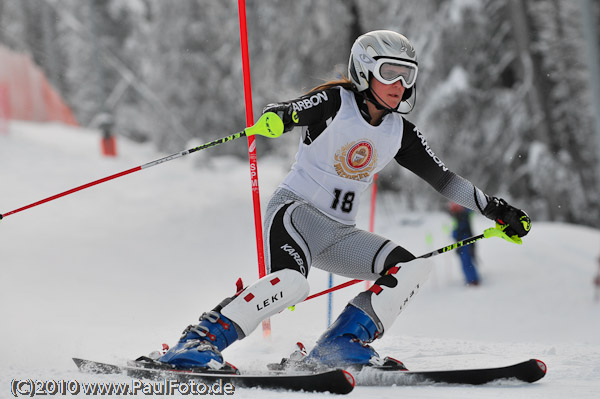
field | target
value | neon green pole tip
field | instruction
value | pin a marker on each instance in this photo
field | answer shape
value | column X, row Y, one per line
column 269, row 125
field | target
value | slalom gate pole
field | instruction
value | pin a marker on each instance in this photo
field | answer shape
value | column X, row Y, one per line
column 468, row 241
column 373, row 203
column 372, row 216
column 330, row 301
column 269, row 125
column 266, row 324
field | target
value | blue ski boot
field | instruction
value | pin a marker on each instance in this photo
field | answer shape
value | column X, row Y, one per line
column 345, row 343
column 200, row 346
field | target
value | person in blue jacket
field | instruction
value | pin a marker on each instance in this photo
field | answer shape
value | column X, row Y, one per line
column 462, row 230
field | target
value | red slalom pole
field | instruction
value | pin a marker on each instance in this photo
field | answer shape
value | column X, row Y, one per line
column 373, row 200
column 372, row 217
column 252, row 151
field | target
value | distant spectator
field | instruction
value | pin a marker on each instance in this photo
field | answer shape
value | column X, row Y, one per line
column 461, row 231
column 106, row 123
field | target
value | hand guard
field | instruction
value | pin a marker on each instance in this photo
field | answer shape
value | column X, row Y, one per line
column 517, row 222
column 286, row 113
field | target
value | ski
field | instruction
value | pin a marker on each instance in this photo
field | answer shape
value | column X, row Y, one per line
column 529, row 371
column 334, row 381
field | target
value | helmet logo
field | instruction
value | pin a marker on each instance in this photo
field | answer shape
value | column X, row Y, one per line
column 365, row 58
column 355, row 160
column 410, row 51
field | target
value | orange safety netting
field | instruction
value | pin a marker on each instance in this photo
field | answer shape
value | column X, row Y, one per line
column 26, row 94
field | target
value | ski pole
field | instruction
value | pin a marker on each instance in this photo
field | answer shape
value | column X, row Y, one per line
column 491, row 232
column 269, row 125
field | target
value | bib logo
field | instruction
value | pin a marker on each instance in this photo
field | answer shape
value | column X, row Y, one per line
column 355, row 160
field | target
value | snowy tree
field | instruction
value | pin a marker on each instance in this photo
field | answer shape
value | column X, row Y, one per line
column 503, row 93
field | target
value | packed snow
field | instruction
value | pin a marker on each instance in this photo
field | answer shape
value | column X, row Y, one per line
column 113, row 271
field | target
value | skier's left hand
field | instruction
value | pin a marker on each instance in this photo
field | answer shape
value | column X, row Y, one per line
column 517, row 222
column 286, row 112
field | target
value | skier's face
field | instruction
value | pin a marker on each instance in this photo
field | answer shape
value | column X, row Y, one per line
column 390, row 94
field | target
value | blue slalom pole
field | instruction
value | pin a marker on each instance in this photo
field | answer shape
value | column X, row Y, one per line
column 330, row 300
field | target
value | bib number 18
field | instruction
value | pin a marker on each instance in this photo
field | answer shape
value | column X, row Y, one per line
column 344, row 202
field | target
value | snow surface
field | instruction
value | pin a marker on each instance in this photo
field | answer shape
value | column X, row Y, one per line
column 114, row 271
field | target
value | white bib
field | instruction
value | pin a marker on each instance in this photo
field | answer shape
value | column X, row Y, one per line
column 334, row 170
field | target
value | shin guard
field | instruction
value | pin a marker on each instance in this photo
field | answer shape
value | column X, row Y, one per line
column 390, row 293
column 266, row 297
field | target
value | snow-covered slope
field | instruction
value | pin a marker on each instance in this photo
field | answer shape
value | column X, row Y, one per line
column 113, row 271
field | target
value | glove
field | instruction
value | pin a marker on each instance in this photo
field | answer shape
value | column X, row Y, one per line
column 516, row 222
column 286, row 113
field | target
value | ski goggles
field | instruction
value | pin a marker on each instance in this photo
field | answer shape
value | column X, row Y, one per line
column 388, row 71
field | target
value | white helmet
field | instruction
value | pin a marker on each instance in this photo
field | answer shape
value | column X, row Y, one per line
column 386, row 55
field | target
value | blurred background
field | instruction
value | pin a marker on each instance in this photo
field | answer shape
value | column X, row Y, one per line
column 508, row 90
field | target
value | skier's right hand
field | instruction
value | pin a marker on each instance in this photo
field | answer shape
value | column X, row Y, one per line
column 516, row 221
column 285, row 112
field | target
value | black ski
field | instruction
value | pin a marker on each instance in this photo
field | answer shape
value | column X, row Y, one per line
column 335, row 381
column 529, row 371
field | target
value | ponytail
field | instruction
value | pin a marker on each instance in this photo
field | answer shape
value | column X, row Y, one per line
column 343, row 82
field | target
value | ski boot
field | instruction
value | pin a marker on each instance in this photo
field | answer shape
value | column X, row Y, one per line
column 200, row 346
column 345, row 344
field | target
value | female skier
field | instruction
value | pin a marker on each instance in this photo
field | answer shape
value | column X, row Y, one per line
column 351, row 129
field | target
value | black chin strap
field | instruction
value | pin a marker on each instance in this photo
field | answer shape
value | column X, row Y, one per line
column 379, row 101
column 370, row 95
